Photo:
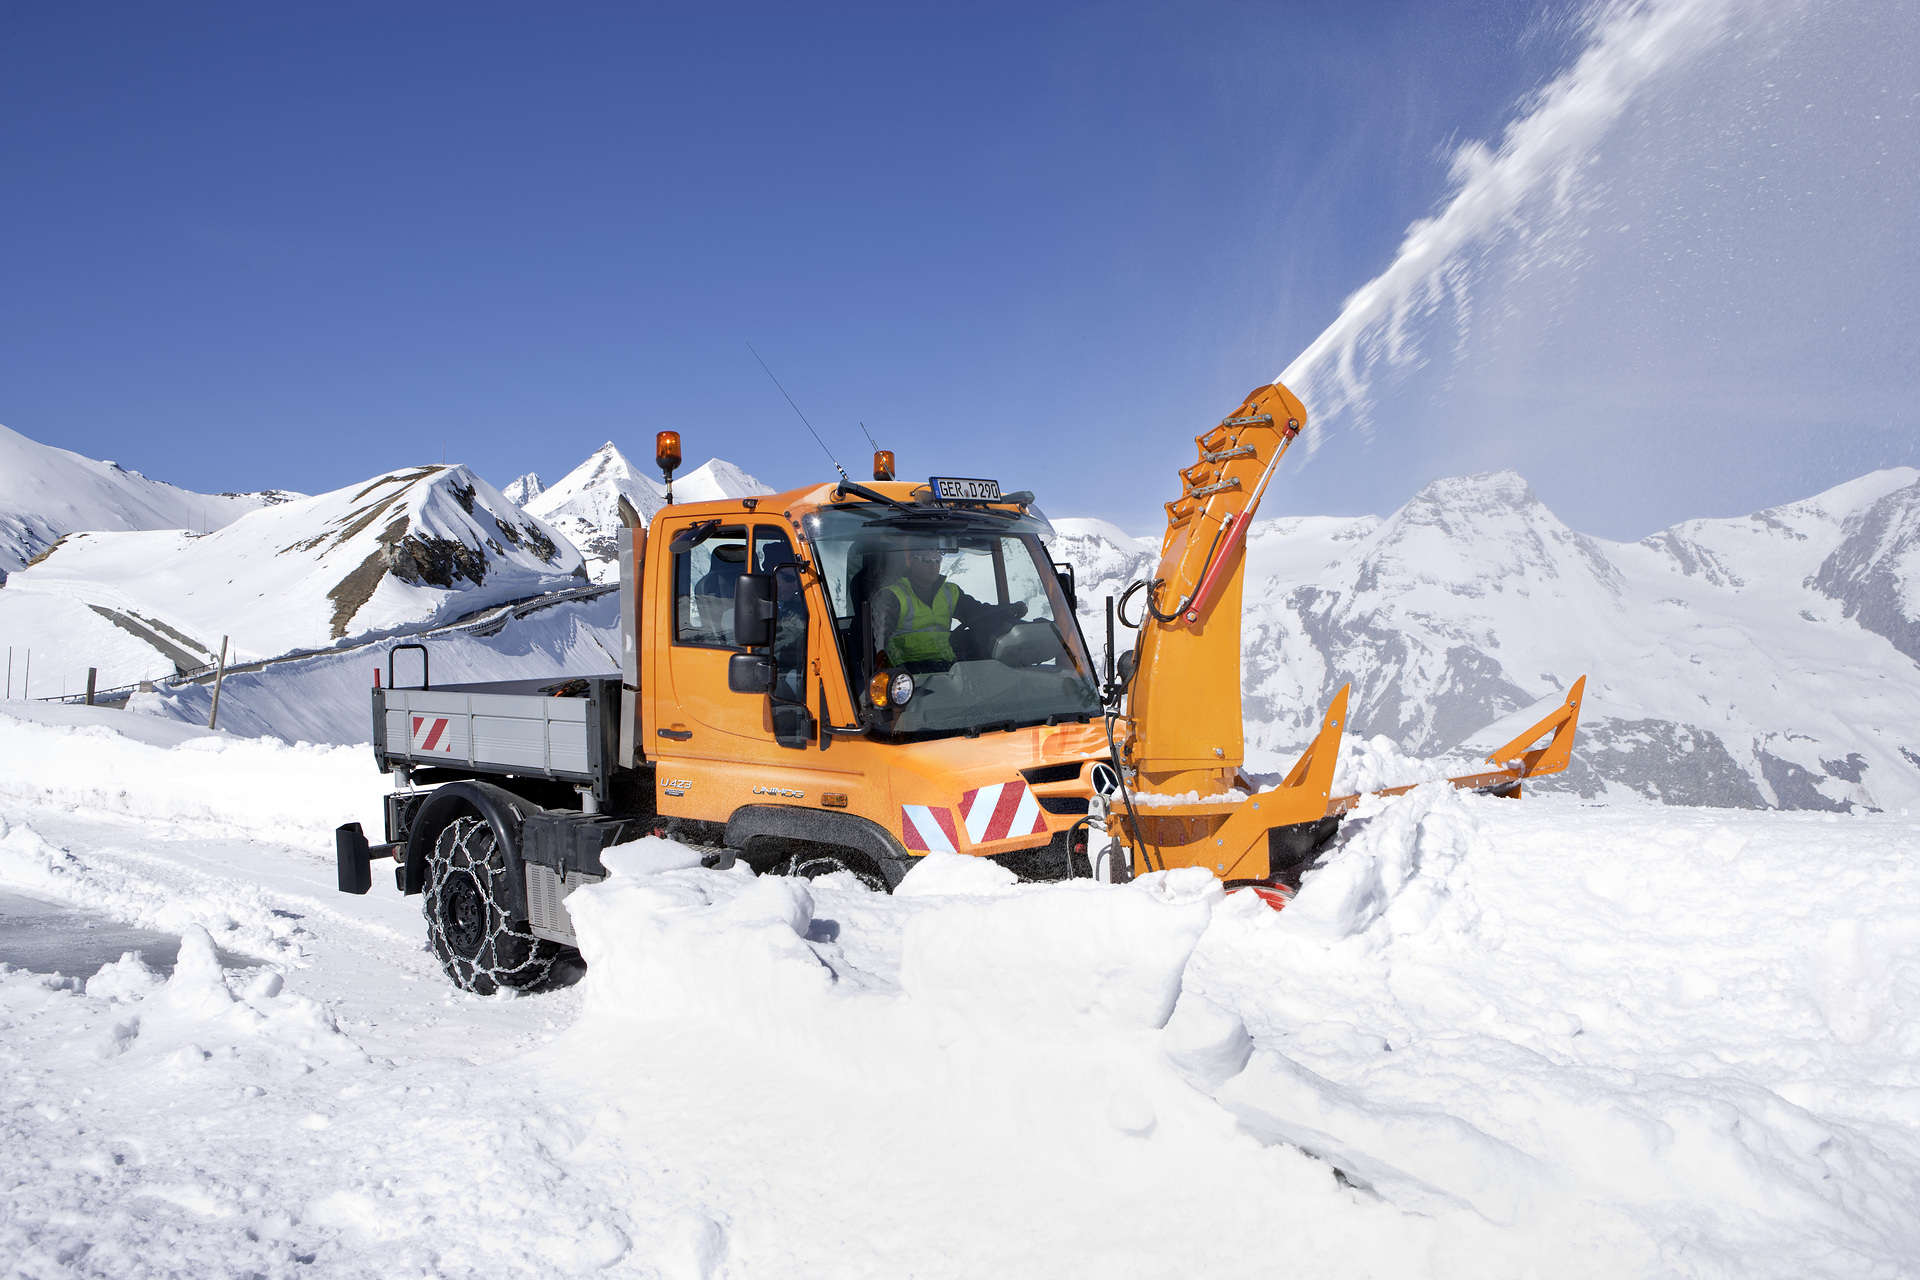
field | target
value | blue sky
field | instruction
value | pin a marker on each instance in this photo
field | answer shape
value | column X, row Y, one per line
column 280, row 245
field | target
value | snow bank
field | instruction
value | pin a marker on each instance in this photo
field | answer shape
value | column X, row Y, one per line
column 1074, row 961
column 1535, row 1038
column 1602, row 1039
column 182, row 778
column 1039, row 1005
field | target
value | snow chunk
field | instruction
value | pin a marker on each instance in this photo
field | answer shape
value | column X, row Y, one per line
column 1405, row 856
column 773, row 899
column 948, row 873
column 127, row 979
column 1207, row 1044
column 649, row 855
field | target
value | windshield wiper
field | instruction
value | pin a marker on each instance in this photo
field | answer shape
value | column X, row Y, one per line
column 846, row 487
column 936, row 519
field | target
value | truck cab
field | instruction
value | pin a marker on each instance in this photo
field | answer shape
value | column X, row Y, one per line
column 971, row 735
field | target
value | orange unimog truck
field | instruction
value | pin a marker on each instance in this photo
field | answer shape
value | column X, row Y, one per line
column 848, row 676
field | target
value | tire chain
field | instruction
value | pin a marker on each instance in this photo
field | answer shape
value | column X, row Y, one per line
column 509, row 955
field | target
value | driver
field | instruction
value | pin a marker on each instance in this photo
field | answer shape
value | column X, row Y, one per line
column 914, row 616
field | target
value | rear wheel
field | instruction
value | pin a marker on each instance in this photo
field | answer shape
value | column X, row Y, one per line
column 468, row 907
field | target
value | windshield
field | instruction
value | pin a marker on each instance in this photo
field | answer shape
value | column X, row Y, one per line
column 958, row 613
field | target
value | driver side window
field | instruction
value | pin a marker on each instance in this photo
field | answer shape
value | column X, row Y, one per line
column 703, row 578
column 773, row 554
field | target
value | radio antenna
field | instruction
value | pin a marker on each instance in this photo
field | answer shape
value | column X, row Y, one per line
column 803, row 417
column 869, row 435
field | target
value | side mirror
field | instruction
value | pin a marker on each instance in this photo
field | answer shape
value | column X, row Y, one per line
column 1064, row 572
column 792, row 724
column 1126, row 669
column 750, row 673
column 753, row 611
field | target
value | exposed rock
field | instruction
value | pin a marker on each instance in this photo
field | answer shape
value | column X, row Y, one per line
column 1875, row 573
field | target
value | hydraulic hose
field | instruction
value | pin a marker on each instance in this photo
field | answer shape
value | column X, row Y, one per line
column 1147, row 603
column 1133, row 819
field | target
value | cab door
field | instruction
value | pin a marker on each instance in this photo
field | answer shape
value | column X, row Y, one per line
column 697, row 715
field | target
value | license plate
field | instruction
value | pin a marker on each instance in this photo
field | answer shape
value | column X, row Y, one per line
column 952, row 489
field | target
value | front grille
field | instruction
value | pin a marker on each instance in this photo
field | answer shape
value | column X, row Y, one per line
column 1063, row 804
column 1053, row 773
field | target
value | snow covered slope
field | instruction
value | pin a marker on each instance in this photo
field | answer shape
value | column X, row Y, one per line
column 46, row 493
column 323, row 698
column 401, row 552
column 1764, row 661
column 584, row 505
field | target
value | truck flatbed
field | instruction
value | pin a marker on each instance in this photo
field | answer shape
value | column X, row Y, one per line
column 503, row 727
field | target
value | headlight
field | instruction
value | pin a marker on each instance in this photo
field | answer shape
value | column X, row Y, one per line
column 902, row 689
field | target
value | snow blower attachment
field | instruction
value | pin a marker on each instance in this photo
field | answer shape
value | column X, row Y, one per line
column 1175, row 711
column 922, row 633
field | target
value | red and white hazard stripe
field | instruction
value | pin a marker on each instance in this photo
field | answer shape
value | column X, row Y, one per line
column 1000, row 812
column 430, row 735
column 927, row 828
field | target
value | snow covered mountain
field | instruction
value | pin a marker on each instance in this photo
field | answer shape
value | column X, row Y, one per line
column 1768, row 661
column 584, row 505
column 402, row 551
column 524, row 490
column 46, row 493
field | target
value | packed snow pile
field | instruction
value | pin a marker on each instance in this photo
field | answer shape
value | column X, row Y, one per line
column 401, row 552
column 584, row 505
column 47, row 493
column 322, row 698
column 1768, row 661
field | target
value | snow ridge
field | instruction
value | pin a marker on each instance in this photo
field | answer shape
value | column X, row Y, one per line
column 1767, row 661
column 47, row 493
column 403, row 551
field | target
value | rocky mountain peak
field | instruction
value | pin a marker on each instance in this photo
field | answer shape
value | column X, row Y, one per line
column 584, row 505
column 524, row 490
column 1478, row 534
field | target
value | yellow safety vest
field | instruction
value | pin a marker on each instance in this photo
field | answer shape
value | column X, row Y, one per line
column 923, row 633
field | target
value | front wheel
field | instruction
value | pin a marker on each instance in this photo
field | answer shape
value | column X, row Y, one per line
column 468, row 906
column 810, row 862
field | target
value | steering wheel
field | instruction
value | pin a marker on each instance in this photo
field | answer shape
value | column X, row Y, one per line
column 976, row 640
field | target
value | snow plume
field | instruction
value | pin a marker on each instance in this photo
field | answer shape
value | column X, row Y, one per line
column 1516, row 191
